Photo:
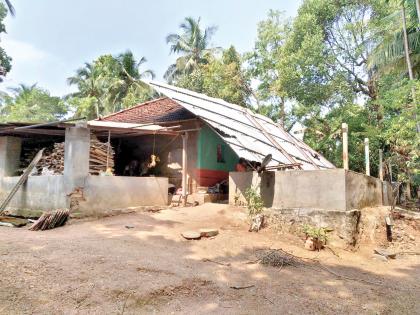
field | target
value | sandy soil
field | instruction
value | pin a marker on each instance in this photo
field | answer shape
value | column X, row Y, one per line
column 102, row 267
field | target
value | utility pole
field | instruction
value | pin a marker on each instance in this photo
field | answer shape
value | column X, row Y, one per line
column 345, row 130
column 367, row 156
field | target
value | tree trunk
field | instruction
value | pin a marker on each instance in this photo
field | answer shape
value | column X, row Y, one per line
column 408, row 60
column 282, row 112
column 406, row 47
column 418, row 10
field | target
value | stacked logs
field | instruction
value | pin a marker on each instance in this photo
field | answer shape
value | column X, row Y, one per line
column 53, row 162
column 100, row 155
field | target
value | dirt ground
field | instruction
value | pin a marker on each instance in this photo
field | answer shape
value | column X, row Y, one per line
column 102, row 267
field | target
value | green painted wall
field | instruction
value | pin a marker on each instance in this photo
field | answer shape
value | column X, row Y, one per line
column 208, row 142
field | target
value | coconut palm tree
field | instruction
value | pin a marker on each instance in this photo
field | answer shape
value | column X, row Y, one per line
column 193, row 44
column 10, row 7
column 109, row 79
column 398, row 48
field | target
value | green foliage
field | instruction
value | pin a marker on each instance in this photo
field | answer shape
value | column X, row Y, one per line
column 262, row 64
column 220, row 77
column 389, row 53
column 108, row 84
column 193, row 44
column 313, row 232
column 31, row 104
column 5, row 60
column 254, row 201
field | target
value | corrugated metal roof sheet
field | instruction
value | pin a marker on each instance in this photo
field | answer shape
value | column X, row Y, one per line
column 250, row 135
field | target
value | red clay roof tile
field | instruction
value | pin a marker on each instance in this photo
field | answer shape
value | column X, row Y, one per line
column 154, row 111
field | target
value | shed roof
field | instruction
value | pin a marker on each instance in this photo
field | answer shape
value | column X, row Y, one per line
column 250, row 135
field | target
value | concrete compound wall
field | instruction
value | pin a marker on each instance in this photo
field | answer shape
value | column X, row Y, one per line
column 100, row 193
column 38, row 193
column 334, row 189
column 322, row 198
column 103, row 193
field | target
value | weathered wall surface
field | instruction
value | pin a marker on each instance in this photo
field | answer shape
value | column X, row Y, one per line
column 362, row 191
column 334, row 189
column 10, row 148
column 310, row 189
column 38, row 193
column 103, row 193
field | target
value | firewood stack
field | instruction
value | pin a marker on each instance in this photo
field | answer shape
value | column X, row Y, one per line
column 53, row 161
column 98, row 157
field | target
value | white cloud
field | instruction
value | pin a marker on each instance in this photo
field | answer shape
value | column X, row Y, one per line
column 23, row 52
column 31, row 64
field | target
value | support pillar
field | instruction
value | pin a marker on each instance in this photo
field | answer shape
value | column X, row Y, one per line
column 10, row 148
column 367, row 156
column 345, row 129
column 381, row 167
column 184, row 168
column 76, row 157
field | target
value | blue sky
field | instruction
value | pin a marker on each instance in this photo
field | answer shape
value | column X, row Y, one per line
column 49, row 39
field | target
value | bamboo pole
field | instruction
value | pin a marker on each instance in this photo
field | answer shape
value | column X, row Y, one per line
column 367, row 156
column 345, row 129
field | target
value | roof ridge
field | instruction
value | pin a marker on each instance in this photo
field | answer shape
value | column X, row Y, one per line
column 135, row 106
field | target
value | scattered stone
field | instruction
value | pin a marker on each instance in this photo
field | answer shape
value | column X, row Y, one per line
column 208, row 232
column 129, row 226
column 191, row 235
column 384, row 253
column 411, row 237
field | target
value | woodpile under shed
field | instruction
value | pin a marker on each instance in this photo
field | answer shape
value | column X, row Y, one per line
column 52, row 163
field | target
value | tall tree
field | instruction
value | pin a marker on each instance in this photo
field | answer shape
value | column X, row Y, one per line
column 5, row 60
column 109, row 84
column 193, row 44
column 221, row 77
column 31, row 104
column 268, row 49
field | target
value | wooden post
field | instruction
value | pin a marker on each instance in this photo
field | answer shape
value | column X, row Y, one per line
column 345, row 130
column 367, row 156
column 381, row 167
column 184, row 168
column 390, row 171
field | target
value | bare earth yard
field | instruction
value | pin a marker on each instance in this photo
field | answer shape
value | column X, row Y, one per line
column 103, row 267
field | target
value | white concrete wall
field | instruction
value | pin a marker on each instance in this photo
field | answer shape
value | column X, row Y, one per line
column 104, row 193
column 334, row 189
column 101, row 193
column 38, row 193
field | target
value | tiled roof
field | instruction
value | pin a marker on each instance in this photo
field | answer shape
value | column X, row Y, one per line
column 155, row 111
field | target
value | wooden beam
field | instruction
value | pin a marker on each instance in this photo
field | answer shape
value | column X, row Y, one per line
column 367, row 162
column 345, row 130
column 184, row 168
column 381, row 167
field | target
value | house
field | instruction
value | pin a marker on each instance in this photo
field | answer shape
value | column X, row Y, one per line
column 182, row 140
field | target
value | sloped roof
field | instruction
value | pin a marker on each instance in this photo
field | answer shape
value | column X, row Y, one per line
column 155, row 111
column 251, row 136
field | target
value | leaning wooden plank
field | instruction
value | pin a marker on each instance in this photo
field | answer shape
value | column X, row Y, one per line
column 21, row 180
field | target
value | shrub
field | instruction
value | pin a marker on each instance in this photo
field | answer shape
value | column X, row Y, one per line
column 254, row 201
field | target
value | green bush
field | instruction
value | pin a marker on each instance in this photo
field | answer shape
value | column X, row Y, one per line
column 254, row 201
